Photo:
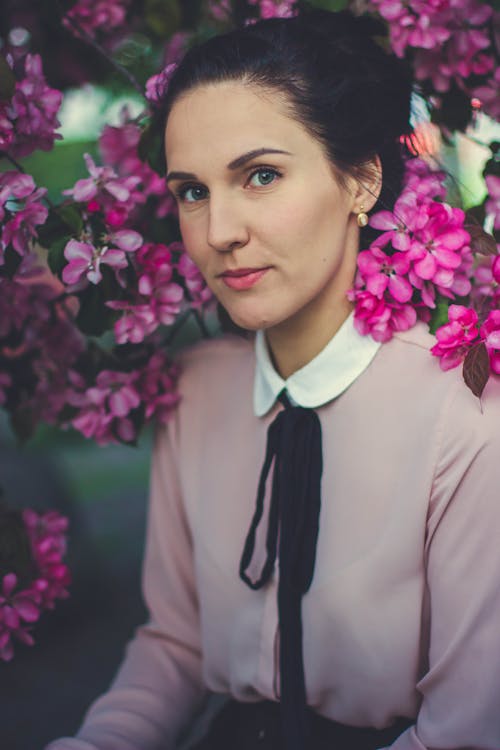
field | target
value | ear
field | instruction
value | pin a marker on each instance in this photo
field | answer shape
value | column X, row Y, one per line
column 368, row 184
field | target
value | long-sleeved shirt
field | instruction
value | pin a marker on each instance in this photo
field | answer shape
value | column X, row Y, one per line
column 403, row 614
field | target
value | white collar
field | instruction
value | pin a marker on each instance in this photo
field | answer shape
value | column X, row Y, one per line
column 322, row 379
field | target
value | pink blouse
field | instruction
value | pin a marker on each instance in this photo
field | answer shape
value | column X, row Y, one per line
column 403, row 614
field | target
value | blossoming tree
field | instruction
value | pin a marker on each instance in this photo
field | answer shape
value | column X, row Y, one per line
column 95, row 286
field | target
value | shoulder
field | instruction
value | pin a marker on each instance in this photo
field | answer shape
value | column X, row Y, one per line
column 408, row 381
column 215, row 371
column 215, row 359
column 418, row 336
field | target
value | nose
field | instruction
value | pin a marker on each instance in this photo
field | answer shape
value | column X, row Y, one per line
column 226, row 228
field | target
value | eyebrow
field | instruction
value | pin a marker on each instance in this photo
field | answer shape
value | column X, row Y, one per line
column 235, row 164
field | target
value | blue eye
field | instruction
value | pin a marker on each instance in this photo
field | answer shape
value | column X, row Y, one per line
column 193, row 191
column 266, row 176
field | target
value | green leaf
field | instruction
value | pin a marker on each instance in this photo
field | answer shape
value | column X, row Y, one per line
column 476, row 368
column 93, row 316
column 163, row 16
column 61, row 221
column 133, row 48
column 72, row 217
column 332, row 5
column 150, row 148
column 12, row 261
column 23, row 423
column 439, row 316
column 55, row 257
column 7, row 80
column 481, row 241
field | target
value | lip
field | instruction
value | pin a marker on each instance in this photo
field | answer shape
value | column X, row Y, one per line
column 243, row 278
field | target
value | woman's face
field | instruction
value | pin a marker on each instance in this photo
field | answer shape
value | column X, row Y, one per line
column 261, row 211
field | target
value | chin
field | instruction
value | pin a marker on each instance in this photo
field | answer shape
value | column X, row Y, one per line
column 249, row 321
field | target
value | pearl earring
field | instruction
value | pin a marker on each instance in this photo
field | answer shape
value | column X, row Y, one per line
column 362, row 217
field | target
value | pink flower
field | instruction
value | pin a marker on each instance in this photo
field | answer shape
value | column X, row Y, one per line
column 5, row 382
column 165, row 296
column 456, row 337
column 119, row 148
column 48, row 544
column 490, row 334
column 493, row 203
column 381, row 272
column 85, row 260
column 16, row 609
column 157, row 85
column 422, row 181
column 378, row 317
column 438, row 245
column 489, row 95
column 20, row 230
column 21, row 210
column 6, row 129
column 486, row 278
column 109, row 410
column 137, row 322
column 275, row 8
column 32, row 112
column 397, row 225
column 105, row 16
column 446, row 37
column 105, row 407
column 157, row 384
column 199, row 292
column 219, row 9
column 102, row 180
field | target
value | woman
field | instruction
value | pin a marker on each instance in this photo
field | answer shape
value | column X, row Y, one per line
column 354, row 605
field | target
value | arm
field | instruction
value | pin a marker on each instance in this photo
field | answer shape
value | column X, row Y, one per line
column 159, row 685
column 460, row 707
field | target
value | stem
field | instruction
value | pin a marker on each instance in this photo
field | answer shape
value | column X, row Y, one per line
column 176, row 327
column 21, row 169
column 102, row 51
column 201, row 323
column 14, row 162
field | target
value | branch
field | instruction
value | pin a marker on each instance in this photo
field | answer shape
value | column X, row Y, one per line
column 102, row 51
column 201, row 324
column 20, row 168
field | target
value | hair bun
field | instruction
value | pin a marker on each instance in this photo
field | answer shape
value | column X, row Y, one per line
column 342, row 24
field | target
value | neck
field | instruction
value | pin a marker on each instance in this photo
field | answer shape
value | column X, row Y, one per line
column 295, row 344
column 297, row 340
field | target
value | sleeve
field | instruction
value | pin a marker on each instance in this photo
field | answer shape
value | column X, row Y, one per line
column 158, row 687
column 460, row 689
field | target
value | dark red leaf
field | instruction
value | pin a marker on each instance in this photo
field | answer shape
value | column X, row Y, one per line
column 480, row 241
column 476, row 369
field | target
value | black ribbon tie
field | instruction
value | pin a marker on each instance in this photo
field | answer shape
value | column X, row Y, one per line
column 294, row 451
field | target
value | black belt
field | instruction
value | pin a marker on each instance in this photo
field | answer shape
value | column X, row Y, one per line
column 257, row 726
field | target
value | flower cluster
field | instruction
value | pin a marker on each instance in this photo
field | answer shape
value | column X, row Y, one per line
column 492, row 206
column 103, row 16
column 38, row 343
column 220, row 9
column 109, row 410
column 28, row 120
column 21, row 608
column 108, row 201
column 275, row 8
column 422, row 250
column 449, row 39
column 20, row 212
column 119, row 146
column 159, row 299
column 463, row 332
